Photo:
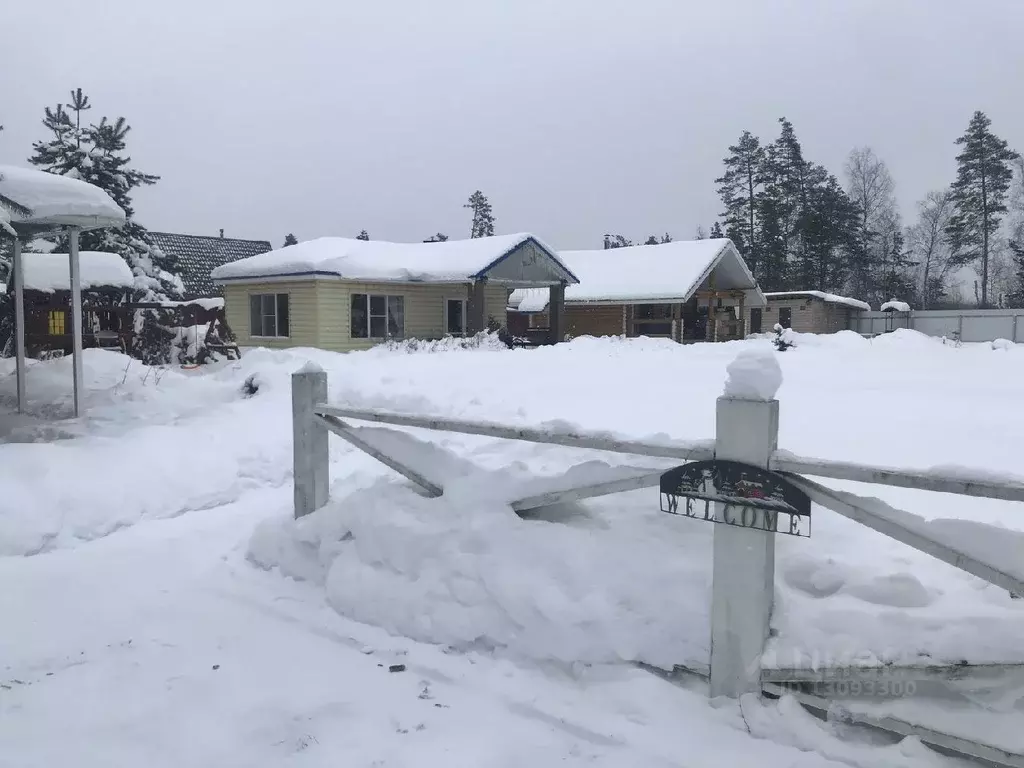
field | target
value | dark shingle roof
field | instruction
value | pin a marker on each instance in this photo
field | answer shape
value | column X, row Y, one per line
column 198, row 255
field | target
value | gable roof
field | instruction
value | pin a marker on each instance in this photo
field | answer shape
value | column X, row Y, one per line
column 35, row 201
column 828, row 298
column 199, row 255
column 667, row 272
column 380, row 261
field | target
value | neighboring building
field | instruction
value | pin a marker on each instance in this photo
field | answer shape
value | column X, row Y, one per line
column 806, row 312
column 684, row 290
column 341, row 294
column 199, row 255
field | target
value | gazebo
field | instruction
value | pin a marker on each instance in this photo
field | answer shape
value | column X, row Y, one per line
column 34, row 203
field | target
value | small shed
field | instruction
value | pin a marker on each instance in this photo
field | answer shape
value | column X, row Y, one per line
column 897, row 314
column 106, row 282
column 807, row 312
column 341, row 294
column 686, row 291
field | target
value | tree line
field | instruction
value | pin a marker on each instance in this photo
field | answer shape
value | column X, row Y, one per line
column 799, row 227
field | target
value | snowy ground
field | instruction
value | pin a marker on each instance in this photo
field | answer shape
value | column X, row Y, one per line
column 117, row 636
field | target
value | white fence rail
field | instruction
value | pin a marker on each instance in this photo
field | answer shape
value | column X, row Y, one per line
column 743, row 563
column 968, row 324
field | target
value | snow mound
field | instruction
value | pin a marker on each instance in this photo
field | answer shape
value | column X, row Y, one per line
column 1004, row 344
column 755, row 374
column 464, row 571
column 898, row 590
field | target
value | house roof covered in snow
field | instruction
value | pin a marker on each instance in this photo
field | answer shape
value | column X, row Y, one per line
column 35, row 201
column 505, row 259
column 668, row 272
column 50, row 272
column 828, row 298
column 199, row 255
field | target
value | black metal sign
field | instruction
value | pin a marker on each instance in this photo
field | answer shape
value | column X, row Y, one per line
column 749, row 497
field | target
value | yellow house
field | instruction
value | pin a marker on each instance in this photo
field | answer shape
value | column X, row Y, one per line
column 341, row 294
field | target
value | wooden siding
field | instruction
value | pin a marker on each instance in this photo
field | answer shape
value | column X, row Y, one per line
column 302, row 313
column 320, row 314
column 602, row 320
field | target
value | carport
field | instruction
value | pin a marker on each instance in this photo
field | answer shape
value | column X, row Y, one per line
column 34, row 203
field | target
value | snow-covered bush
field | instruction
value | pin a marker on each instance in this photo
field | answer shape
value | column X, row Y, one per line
column 487, row 340
column 783, row 338
column 1004, row 344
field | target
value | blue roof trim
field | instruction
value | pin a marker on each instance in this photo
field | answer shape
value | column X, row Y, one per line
column 531, row 239
column 254, row 279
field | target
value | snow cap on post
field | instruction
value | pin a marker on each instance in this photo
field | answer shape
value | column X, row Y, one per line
column 755, row 374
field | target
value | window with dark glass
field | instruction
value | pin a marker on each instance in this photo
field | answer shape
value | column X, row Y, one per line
column 377, row 317
column 455, row 316
column 268, row 315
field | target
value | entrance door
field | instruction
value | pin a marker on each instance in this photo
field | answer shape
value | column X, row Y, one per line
column 786, row 317
column 755, row 320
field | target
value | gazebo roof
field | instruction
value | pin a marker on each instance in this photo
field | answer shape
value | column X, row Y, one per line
column 33, row 201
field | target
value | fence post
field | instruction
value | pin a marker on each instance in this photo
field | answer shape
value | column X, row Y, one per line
column 743, row 570
column 309, row 440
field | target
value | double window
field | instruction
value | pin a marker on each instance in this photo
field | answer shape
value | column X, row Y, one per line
column 455, row 316
column 377, row 317
column 268, row 315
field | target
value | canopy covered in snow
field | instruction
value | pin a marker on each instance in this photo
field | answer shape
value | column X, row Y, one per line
column 669, row 272
column 512, row 259
column 828, row 298
column 35, row 201
column 894, row 305
column 51, row 271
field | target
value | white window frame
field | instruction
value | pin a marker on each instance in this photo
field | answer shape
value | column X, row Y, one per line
column 465, row 316
column 264, row 315
column 388, row 297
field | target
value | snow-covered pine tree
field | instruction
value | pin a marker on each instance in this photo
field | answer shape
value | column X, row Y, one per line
column 363, row 235
column 716, row 232
column 96, row 154
column 290, row 239
column 483, row 217
column 984, row 173
column 439, row 237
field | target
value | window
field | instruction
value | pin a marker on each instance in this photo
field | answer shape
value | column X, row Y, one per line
column 55, row 322
column 786, row 317
column 652, row 311
column 755, row 320
column 268, row 315
column 455, row 316
column 377, row 317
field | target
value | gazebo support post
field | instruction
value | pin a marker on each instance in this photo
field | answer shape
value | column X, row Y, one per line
column 19, row 322
column 76, row 317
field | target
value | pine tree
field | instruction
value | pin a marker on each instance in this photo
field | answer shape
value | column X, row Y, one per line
column 363, row 235
column 1015, row 298
column 439, row 237
column 700, row 233
column 290, row 239
column 739, row 187
column 483, row 218
column 984, row 173
column 616, row 241
column 96, row 154
column 716, row 232
column 652, row 240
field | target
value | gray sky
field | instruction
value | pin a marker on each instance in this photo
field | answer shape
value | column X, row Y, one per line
column 575, row 117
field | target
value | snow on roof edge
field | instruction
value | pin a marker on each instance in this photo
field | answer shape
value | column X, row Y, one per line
column 828, row 298
column 894, row 305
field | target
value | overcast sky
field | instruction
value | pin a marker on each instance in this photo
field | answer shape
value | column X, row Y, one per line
column 575, row 117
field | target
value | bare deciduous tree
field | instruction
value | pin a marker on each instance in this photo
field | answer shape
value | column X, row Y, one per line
column 929, row 245
column 870, row 186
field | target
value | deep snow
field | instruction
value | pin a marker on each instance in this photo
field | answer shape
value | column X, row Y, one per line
column 604, row 581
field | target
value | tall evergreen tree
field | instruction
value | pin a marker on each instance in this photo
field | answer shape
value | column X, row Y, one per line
column 290, row 239
column 738, row 188
column 483, row 217
column 716, row 232
column 363, row 235
column 984, row 173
